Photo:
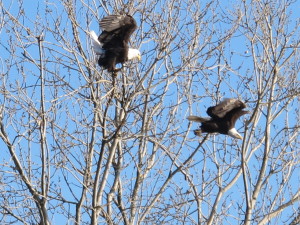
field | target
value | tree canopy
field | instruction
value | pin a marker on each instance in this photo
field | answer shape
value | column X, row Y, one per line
column 82, row 146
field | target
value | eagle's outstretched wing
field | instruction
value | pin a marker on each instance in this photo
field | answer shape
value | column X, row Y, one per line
column 224, row 107
column 117, row 27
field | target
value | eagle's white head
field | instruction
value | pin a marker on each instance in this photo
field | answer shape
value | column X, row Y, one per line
column 233, row 133
column 134, row 53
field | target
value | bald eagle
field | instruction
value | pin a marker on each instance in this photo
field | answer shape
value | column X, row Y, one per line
column 223, row 118
column 112, row 44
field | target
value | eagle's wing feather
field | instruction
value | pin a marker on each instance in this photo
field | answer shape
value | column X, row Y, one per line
column 117, row 26
column 112, row 22
column 224, row 107
column 235, row 116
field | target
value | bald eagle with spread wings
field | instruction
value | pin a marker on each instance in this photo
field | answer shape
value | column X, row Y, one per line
column 222, row 118
column 112, row 44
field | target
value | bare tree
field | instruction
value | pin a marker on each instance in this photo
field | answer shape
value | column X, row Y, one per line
column 81, row 146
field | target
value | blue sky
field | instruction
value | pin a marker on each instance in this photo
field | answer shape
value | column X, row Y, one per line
column 227, row 71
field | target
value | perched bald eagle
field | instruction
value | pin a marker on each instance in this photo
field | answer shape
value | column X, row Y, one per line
column 223, row 118
column 112, row 43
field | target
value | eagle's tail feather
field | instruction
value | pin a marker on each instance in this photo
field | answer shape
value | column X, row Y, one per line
column 196, row 119
column 97, row 46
